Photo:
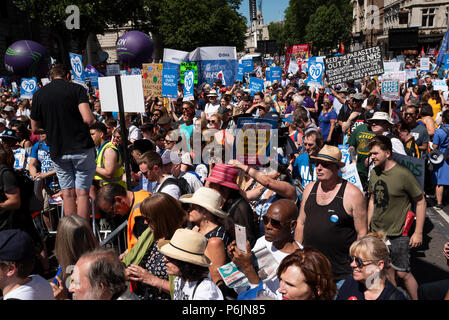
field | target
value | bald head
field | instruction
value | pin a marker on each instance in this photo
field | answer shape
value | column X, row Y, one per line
column 286, row 209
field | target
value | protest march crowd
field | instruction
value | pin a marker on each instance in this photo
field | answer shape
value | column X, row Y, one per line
column 327, row 204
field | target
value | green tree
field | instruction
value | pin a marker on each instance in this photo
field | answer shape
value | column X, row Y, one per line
column 276, row 30
column 326, row 28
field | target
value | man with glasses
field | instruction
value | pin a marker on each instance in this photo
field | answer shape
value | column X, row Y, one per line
column 279, row 224
column 115, row 200
column 419, row 132
column 393, row 189
column 332, row 214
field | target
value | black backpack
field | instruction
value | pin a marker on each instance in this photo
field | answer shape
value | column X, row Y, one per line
column 181, row 183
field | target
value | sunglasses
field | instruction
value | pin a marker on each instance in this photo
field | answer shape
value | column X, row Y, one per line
column 359, row 262
column 211, row 121
column 274, row 223
column 169, row 141
column 409, row 114
column 324, row 164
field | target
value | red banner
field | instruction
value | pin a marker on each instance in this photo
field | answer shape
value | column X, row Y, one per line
column 299, row 52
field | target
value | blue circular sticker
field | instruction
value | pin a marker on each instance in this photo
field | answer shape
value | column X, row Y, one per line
column 334, row 218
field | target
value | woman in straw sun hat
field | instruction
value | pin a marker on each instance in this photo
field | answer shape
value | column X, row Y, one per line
column 207, row 217
column 185, row 259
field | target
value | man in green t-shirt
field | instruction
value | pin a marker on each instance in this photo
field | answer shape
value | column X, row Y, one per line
column 391, row 188
column 359, row 141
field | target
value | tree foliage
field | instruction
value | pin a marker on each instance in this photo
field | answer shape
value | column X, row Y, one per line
column 276, row 30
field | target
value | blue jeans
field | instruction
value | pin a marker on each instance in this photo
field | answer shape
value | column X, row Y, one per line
column 76, row 170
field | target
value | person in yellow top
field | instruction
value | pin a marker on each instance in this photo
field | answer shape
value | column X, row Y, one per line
column 435, row 102
column 109, row 161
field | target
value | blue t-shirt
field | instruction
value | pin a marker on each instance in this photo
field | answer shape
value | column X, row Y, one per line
column 187, row 131
column 324, row 122
column 42, row 154
column 302, row 170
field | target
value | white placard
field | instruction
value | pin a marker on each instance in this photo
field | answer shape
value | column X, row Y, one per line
column 396, row 75
column 439, row 84
column 391, row 67
column 132, row 90
column 45, row 81
column 424, row 64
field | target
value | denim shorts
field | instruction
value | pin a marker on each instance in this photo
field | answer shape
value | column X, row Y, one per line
column 400, row 253
column 76, row 170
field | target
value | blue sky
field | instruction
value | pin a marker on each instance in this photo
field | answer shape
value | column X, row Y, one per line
column 272, row 10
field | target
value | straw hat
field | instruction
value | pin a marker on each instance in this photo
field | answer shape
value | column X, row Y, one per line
column 225, row 175
column 329, row 154
column 212, row 93
column 379, row 115
column 207, row 198
column 186, row 245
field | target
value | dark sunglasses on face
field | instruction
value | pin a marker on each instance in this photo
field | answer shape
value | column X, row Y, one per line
column 324, row 164
column 274, row 223
column 211, row 121
column 359, row 262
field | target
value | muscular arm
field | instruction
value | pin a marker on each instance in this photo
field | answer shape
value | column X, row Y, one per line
column 215, row 251
column 282, row 188
column 110, row 164
column 86, row 113
column 354, row 198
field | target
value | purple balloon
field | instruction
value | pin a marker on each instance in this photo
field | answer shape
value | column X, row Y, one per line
column 27, row 58
column 134, row 48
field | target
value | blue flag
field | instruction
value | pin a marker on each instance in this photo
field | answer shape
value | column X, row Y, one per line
column 443, row 49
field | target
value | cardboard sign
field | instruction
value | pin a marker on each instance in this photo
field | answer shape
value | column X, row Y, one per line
column 353, row 66
column 425, row 64
column 152, row 79
column 390, row 90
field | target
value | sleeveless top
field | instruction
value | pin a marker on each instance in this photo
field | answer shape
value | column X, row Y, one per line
column 219, row 232
column 330, row 230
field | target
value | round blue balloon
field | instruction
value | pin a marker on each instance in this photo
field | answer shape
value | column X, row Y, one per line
column 134, row 48
column 27, row 58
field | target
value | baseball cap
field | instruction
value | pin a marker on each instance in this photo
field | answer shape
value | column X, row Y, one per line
column 15, row 245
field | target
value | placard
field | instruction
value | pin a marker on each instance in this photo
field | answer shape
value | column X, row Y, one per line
column 439, row 84
column 248, row 65
column 255, row 85
column 316, row 72
column 415, row 165
column 184, row 66
column 76, row 61
column 132, row 91
column 28, row 87
column 170, row 83
column 188, row 85
column 392, row 66
column 240, row 72
column 411, row 74
column 112, row 69
column 152, row 79
column 395, row 75
column 424, row 64
column 354, row 66
column 390, row 90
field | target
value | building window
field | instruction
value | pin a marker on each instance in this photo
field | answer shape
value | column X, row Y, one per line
column 428, row 16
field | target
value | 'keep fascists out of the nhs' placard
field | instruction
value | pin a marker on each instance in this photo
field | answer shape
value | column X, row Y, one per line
column 354, row 66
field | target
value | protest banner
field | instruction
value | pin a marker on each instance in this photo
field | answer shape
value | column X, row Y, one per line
column 254, row 140
column 173, row 58
column 76, row 61
column 184, row 66
column 169, row 83
column 188, row 85
column 298, row 52
column 256, row 85
column 410, row 74
column 28, row 87
column 212, row 60
column 390, row 90
column 392, row 67
column 275, row 74
column 415, row 165
column 354, row 66
column 395, row 75
column 345, row 157
column 424, row 64
column 152, row 79
column 439, row 84
column 350, row 173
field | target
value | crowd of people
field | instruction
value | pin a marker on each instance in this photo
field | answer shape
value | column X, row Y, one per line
column 176, row 182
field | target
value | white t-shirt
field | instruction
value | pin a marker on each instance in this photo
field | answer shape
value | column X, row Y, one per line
column 206, row 290
column 211, row 109
column 170, row 189
column 36, row 289
column 193, row 181
column 337, row 106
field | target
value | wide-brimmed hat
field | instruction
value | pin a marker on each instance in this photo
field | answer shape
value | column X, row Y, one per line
column 212, row 93
column 329, row 154
column 186, row 245
column 207, row 198
column 379, row 115
column 225, row 175
column 9, row 134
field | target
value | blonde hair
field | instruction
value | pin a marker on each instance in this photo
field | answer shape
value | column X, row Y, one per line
column 372, row 247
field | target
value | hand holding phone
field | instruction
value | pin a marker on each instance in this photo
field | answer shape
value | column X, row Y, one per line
column 240, row 237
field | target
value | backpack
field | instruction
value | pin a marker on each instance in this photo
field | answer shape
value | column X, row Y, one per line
column 181, row 183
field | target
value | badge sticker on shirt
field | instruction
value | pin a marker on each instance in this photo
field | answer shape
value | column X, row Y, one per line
column 334, row 218
column 353, row 298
